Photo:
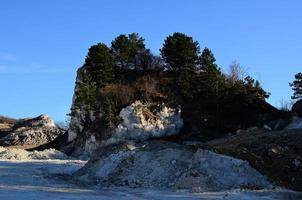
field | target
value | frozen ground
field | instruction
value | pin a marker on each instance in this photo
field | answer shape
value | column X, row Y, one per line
column 36, row 178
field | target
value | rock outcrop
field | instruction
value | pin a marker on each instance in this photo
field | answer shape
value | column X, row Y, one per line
column 138, row 123
column 202, row 118
column 31, row 133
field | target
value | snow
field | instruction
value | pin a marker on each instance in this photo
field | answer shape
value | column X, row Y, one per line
column 30, row 179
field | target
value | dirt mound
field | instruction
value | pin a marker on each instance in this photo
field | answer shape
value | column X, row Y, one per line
column 166, row 165
column 277, row 154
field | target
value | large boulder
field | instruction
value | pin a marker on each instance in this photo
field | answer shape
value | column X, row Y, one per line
column 297, row 108
column 32, row 132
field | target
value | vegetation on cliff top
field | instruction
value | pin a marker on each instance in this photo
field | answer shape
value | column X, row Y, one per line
column 182, row 75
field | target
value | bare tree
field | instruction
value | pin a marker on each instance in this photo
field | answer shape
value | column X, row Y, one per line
column 236, row 72
column 285, row 105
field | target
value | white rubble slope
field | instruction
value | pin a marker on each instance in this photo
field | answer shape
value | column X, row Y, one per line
column 140, row 123
column 171, row 166
column 20, row 154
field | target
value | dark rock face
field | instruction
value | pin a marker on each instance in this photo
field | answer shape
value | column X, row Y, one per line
column 297, row 108
column 31, row 133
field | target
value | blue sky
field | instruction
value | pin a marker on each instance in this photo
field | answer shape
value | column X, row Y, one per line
column 42, row 43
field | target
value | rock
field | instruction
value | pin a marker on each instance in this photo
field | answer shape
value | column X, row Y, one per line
column 266, row 127
column 139, row 122
column 276, row 154
column 296, row 123
column 169, row 165
column 279, row 124
column 273, row 152
column 131, row 147
column 21, row 154
column 32, row 132
column 297, row 108
column 297, row 164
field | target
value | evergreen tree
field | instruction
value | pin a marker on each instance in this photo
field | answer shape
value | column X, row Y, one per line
column 297, row 86
column 180, row 51
column 147, row 61
column 212, row 79
column 100, row 64
column 86, row 92
column 125, row 49
column 254, row 90
column 99, row 69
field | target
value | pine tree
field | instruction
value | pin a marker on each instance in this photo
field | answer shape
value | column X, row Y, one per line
column 180, row 51
column 297, row 86
column 100, row 64
column 212, row 78
column 125, row 49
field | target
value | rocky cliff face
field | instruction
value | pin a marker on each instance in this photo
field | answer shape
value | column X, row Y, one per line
column 138, row 121
column 31, row 132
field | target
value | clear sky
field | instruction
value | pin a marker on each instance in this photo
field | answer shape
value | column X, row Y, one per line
column 42, row 43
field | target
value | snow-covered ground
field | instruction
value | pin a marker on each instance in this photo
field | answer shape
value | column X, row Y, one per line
column 37, row 177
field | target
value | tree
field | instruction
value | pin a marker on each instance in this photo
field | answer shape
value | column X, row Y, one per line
column 297, row 86
column 207, row 62
column 147, row 61
column 125, row 49
column 100, row 65
column 236, row 72
column 254, row 90
column 213, row 79
column 99, row 69
column 180, row 51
